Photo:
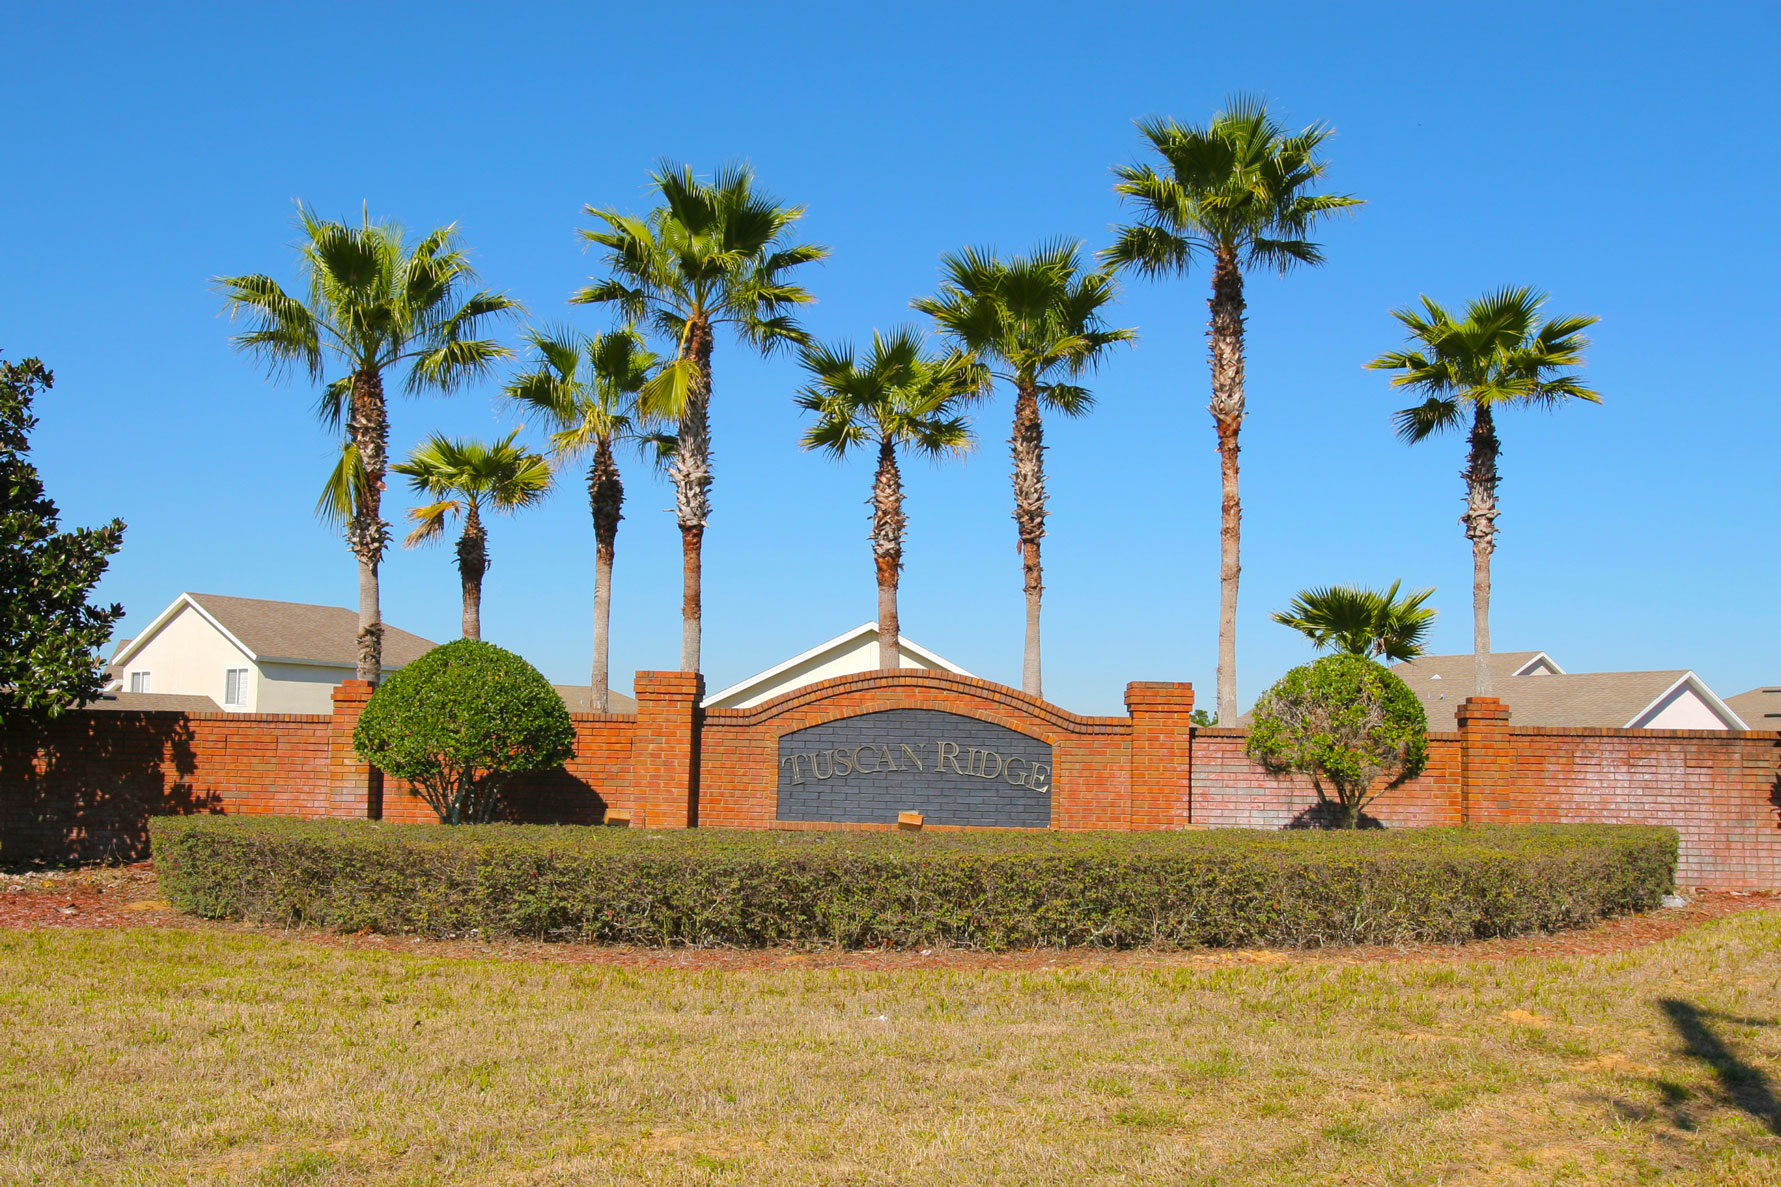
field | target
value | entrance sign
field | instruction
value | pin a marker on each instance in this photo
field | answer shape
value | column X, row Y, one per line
column 951, row 768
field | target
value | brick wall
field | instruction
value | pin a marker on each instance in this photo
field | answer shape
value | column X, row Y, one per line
column 84, row 787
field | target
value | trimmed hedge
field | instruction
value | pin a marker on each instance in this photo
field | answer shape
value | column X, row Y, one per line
column 867, row 889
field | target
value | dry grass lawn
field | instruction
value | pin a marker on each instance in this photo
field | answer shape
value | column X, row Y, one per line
column 166, row 1056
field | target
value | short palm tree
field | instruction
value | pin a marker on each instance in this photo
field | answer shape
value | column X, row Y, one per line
column 1038, row 319
column 586, row 387
column 1234, row 190
column 712, row 253
column 1369, row 623
column 1498, row 354
column 466, row 478
column 897, row 397
column 375, row 305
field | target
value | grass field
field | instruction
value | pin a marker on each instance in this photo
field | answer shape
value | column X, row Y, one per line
column 169, row 1055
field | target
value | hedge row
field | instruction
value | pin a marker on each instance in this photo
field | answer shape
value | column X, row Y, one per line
column 868, row 889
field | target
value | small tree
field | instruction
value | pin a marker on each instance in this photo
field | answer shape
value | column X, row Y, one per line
column 1348, row 724
column 49, row 634
column 458, row 721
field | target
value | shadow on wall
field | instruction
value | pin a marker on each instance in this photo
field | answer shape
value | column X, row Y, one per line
column 1742, row 1085
column 83, row 787
column 551, row 797
column 1328, row 814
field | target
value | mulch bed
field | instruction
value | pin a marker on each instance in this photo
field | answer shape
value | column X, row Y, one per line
column 127, row 896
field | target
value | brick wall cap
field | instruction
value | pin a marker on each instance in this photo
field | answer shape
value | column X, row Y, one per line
column 986, row 690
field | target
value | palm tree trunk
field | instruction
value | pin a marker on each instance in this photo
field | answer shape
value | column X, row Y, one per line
column 366, row 532
column 1028, row 448
column 690, row 469
column 606, row 498
column 1227, row 416
column 473, row 563
column 887, row 553
column 1481, row 529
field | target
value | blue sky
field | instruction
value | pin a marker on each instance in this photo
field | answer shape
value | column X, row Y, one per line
column 1616, row 155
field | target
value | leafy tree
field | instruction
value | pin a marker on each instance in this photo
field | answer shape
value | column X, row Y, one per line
column 587, row 389
column 1347, row 723
column 1366, row 622
column 463, row 478
column 1038, row 319
column 459, row 721
column 713, row 253
column 50, row 635
column 375, row 305
column 1499, row 353
column 897, row 397
column 1234, row 190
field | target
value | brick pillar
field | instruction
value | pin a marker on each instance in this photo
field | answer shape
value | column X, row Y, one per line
column 355, row 789
column 665, row 749
column 1485, row 758
column 1162, row 754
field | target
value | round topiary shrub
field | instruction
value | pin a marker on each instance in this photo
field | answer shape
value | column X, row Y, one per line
column 1348, row 724
column 458, row 721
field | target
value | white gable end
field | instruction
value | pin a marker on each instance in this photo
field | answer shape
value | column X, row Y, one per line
column 844, row 655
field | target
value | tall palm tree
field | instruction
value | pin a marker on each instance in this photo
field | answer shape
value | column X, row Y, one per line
column 1498, row 354
column 712, row 253
column 375, row 304
column 1038, row 320
column 587, row 388
column 1233, row 190
column 1364, row 622
column 897, row 397
column 465, row 478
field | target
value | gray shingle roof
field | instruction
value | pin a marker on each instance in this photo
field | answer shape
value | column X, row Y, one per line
column 1503, row 664
column 306, row 633
column 164, row 702
column 1593, row 700
column 578, row 697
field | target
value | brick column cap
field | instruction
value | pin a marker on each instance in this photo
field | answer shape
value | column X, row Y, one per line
column 352, row 690
column 677, row 685
column 1160, row 696
column 1482, row 709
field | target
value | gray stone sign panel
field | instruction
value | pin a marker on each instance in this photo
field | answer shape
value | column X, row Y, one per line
column 951, row 768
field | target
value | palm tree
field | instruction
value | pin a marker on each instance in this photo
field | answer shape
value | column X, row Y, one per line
column 1363, row 622
column 587, row 388
column 897, row 397
column 465, row 478
column 1038, row 319
column 711, row 254
column 1497, row 354
column 1234, row 190
column 375, row 304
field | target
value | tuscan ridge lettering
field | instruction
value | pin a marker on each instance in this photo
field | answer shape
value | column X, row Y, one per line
column 941, row 757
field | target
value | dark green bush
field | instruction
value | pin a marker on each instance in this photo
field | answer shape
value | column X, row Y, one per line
column 1352, row 726
column 868, row 889
column 458, row 721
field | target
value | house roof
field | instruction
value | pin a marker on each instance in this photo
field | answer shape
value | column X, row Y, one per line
column 1502, row 664
column 741, row 693
column 165, row 702
column 286, row 632
column 1760, row 707
column 1592, row 700
column 578, row 698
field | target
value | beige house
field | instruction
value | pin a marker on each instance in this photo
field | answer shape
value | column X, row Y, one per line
column 246, row 655
column 844, row 655
column 1540, row 693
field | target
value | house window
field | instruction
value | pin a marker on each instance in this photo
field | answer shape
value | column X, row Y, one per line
column 235, row 687
column 138, row 681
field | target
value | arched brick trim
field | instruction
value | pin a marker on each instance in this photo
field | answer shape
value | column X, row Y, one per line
column 949, row 684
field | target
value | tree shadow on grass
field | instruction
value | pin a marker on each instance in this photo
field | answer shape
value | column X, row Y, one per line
column 1742, row 1085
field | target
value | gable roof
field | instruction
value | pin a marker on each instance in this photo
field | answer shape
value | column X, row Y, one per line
column 1760, row 707
column 1502, row 664
column 285, row 632
column 1592, row 700
column 785, row 676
